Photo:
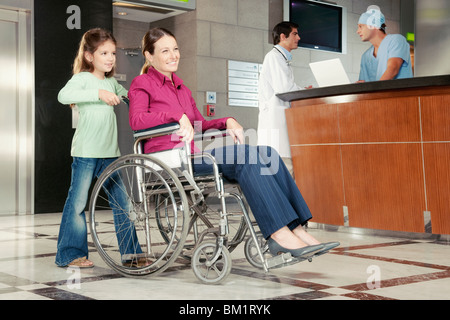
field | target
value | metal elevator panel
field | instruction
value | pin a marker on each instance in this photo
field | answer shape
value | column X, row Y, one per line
column 8, row 111
column 16, row 113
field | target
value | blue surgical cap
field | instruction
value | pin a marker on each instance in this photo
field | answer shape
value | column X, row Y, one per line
column 373, row 18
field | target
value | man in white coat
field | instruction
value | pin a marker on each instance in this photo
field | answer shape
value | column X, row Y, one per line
column 277, row 77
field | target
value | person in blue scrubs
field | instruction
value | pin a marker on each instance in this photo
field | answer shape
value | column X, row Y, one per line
column 389, row 56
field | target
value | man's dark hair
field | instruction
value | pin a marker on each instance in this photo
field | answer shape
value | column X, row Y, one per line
column 285, row 28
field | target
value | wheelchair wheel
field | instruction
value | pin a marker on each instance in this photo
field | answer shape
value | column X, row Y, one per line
column 123, row 223
column 251, row 252
column 204, row 270
column 206, row 216
column 209, row 217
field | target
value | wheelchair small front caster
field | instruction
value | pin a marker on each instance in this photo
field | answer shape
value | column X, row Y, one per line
column 251, row 251
column 206, row 270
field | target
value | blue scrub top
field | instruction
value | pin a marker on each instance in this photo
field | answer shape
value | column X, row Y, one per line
column 392, row 46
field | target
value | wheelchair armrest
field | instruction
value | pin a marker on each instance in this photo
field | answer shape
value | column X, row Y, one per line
column 215, row 133
column 169, row 128
column 157, row 131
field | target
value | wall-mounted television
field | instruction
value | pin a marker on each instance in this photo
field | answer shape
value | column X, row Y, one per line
column 322, row 25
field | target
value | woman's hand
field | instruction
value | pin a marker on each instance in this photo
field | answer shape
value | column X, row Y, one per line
column 109, row 98
column 235, row 130
column 186, row 131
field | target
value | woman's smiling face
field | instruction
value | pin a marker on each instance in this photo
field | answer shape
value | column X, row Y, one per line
column 166, row 56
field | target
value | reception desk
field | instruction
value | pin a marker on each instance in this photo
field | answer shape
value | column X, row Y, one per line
column 374, row 155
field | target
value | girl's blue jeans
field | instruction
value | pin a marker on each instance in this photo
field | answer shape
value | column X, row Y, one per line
column 72, row 238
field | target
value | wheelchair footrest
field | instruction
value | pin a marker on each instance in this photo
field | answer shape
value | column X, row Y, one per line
column 282, row 260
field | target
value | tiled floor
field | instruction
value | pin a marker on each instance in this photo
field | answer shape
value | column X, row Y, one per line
column 364, row 267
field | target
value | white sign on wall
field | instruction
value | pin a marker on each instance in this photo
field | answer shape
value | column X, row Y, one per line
column 243, row 83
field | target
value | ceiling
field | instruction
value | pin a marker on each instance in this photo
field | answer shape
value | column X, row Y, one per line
column 142, row 12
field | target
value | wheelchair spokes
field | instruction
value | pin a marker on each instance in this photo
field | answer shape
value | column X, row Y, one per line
column 134, row 238
column 211, row 263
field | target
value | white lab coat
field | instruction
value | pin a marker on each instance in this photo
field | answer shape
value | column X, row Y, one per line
column 276, row 77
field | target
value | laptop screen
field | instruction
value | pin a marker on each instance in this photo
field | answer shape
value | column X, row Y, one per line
column 329, row 73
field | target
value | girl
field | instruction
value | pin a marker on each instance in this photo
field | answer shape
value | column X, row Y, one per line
column 159, row 96
column 94, row 146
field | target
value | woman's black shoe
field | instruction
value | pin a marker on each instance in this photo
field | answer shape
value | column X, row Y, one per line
column 276, row 249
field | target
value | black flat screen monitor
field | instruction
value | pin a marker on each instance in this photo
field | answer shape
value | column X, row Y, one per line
column 322, row 26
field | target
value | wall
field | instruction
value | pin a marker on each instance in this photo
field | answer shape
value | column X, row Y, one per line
column 219, row 31
column 55, row 49
column 128, row 35
column 17, row 4
column 432, row 37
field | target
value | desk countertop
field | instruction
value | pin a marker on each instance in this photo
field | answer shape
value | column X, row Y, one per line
column 367, row 87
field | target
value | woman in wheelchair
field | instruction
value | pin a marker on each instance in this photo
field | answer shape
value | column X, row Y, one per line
column 158, row 96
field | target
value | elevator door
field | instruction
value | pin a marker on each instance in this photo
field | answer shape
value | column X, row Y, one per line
column 15, row 114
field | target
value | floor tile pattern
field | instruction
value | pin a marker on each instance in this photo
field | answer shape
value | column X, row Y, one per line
column 364, row 267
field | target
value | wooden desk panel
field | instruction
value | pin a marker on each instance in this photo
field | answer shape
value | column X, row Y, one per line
column 313, row 125
column 437, row 175
column 318, row 175
column 384, row 120
column 436, row 118
column 384, row 186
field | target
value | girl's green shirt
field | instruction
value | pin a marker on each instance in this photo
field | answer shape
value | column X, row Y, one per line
column 96, row 132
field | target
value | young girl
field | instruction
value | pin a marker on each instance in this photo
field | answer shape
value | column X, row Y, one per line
column 94, row 146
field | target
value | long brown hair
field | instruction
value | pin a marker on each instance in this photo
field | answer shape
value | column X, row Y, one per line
column 148, row 43
column 90, row 42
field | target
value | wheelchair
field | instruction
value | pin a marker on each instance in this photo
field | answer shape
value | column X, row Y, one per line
column 171, row 214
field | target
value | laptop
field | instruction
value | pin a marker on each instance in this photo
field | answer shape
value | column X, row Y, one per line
column 329, row 73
